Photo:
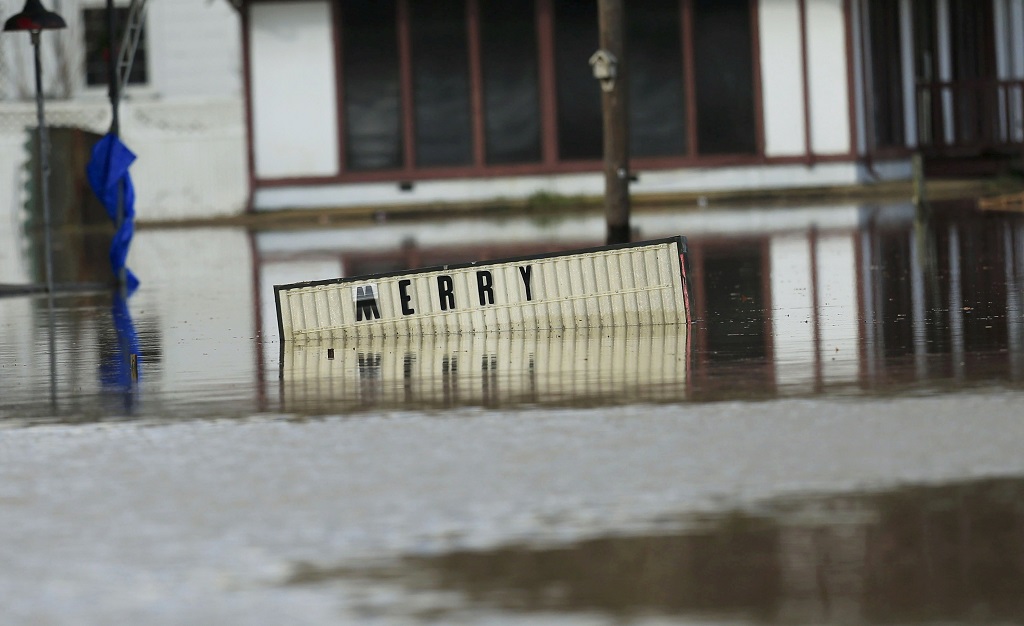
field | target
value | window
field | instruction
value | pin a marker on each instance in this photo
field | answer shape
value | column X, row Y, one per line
column 440, row 70
column 657, row 107
column 508, row 50
column 579, row 95
column 372, row 86
column 428, row 85
column 724, row 77
column 98, row 48
column 886, row 73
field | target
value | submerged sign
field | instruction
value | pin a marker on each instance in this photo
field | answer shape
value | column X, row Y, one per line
column 635, row 284
column 537, row 367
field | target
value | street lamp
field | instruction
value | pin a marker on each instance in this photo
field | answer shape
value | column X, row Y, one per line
column 35, row 19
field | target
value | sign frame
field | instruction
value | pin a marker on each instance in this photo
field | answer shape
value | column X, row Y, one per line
column 369, row 287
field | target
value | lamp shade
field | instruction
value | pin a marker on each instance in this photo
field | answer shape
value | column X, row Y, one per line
column 34, row 17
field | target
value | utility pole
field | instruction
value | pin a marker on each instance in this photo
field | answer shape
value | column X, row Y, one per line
column 609, row 64
column 114, row 93
column 113, row 76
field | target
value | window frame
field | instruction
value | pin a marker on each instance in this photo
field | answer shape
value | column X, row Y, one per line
column 140, row 88
column 550, row 162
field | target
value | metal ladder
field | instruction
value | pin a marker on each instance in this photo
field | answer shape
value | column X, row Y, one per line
column 130, row 41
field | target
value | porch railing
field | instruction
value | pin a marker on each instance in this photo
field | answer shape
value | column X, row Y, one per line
column 970, row 116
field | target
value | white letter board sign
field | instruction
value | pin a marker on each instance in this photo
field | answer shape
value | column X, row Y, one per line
column 636, row 284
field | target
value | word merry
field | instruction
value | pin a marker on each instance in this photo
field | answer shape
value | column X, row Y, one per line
column 366, row 296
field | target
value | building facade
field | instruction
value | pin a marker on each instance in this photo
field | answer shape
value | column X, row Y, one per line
column 354, row 102
column 181, row 112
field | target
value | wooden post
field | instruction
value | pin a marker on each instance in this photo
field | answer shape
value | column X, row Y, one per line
column 917, row 165
column 113, row 73
column 114, row 93
column 615, row 120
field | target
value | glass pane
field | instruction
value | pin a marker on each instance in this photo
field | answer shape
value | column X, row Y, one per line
column 579, row 96
column 657, row 109
column 975, row 100
column 886, row 74
column 97, row 47
column 440, row 67
column 724, row 76
column 973, row 54
column 373, row 104
column 508, row 47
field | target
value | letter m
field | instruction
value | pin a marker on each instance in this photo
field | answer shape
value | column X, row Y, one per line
column 366, row 303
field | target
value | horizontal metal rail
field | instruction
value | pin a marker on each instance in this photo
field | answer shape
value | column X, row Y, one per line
column 977, row 115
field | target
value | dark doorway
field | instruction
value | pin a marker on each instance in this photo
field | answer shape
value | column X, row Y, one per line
column 508, row 54
column 440, row 73
column 373, row 102
column 972, row 51
column 657, row 104
column 886, row 74
column 724, row 76
column 578, row 94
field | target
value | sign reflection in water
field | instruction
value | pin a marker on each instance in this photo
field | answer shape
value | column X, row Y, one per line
column 489, row 369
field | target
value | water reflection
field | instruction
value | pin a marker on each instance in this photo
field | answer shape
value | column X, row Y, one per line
column 947, row 553
column 787, row 302
column 80, row 348
column 588, row 366
column 121, row 368
column 841, row 299
column 873, row 306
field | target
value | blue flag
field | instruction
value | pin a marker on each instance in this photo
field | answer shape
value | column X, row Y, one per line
column 107, row 170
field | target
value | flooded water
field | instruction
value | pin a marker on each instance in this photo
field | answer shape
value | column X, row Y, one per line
column 835, row 439
column 948, row 553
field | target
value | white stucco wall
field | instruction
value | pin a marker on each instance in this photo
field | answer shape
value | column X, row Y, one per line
column 186, row 124
column 14, row 268
column 295, row 112
column 57, row 53
column 191, row 152
column 659, row 182
column 827, row 77
column 196, row 48
column 782, row 83
column 193, row 47
column 781, row 77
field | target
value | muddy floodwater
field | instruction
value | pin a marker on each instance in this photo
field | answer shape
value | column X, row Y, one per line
column 837, row 438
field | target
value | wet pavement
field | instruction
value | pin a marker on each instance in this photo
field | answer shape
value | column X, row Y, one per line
column 835, row 439
column 948, row 553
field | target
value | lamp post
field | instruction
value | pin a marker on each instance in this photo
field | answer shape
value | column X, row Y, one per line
column 35, row 19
